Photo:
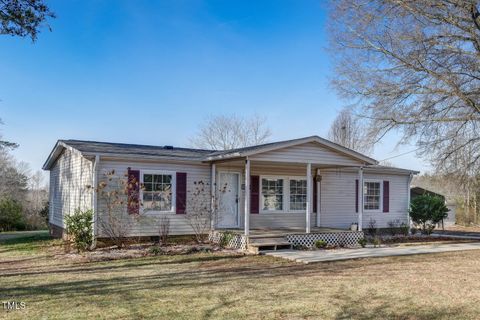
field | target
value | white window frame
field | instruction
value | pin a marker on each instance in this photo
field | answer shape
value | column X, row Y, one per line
column 174, row 191
column 380, row 206
column 286, row 193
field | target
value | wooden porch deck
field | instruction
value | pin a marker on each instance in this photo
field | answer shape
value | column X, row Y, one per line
column 281, row 232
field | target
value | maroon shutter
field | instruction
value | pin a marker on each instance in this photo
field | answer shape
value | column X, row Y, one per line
column 356, row 195
column 386, row 196
column 181, row 192
column 133, row 187
column 314, row 195
column 254, row 194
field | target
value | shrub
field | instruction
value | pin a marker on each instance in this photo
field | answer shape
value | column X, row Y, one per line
column 429, row 229
column 377, row 242
column 372, row 227
column 393, row 226
column 11, row 217
column 164, row 229
column 362, row 242
column 413, row 230
column 300, row 247
column 155, row 250
column 79, row 227
column 225, row 239
column 427, row 210
column 404, row 229
column 320, row 244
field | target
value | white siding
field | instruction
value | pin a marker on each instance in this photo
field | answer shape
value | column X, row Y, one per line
column 309, row 152
column 338, row 199
column 270, row 220
column 148, row 224
column 69, row 178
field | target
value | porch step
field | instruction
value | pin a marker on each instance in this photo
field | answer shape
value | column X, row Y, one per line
column 257, row 245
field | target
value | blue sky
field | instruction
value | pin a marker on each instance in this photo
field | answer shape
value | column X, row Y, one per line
column 138, row 71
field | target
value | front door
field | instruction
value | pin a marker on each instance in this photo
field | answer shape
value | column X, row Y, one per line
column 227, row 193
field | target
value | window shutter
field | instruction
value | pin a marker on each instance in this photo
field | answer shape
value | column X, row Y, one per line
column 181, row 193
column 133, row 186
column 386, row 196
column 254, row 194
column 315, row 192
column 356, row 195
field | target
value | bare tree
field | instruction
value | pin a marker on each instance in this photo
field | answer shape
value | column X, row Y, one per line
column 348, row 131
column 413, row 65
column 230, row 132
column 114, row 220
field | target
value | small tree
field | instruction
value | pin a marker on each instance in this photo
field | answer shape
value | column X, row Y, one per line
column 164, row 230
column 202, row 211
column 200, row 214
column 114, row 219
column 427, row 210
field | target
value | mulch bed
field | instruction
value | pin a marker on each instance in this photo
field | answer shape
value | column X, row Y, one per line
column 145, row 250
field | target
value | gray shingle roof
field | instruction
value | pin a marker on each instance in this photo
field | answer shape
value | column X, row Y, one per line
column 93, row 147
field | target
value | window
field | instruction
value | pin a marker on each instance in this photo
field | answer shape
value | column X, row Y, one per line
column 371, row 195
column 298, row 194
column 157, row 192
column 272, row 194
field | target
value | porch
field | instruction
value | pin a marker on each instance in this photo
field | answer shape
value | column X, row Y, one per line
column 285, row 238
column 260, row 198
column 282, row 232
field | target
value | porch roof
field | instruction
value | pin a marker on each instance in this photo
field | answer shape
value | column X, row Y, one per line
column 249, row 151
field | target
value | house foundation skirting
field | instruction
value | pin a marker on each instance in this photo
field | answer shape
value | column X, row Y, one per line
column 235, row 241
column 343, row 239
column 56, row 231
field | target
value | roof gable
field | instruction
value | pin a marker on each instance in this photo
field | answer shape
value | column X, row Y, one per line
column 275, row 146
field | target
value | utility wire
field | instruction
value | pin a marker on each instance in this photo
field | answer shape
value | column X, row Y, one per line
column 401, row 154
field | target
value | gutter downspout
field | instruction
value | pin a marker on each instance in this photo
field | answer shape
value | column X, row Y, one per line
column 94, row 198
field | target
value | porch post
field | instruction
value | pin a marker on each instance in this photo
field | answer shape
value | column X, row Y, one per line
column 360, row 198
column 318, row 197
column 213, row 188
column 247, row 197
column 309, row 197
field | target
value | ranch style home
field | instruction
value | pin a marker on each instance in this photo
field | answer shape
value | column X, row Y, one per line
column 308, row 185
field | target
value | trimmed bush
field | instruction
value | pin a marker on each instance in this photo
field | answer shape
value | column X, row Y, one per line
column 225, row 239
column 320, row 244
column 80, row 228
column 362, row 242
column 427, row 210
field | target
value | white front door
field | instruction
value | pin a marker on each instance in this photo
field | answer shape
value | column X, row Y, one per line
column 227, row 193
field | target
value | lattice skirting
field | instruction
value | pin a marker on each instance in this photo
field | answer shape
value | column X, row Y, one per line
column 238, row 241
column 345, row 239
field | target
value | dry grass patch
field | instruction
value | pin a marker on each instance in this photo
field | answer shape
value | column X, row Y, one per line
column 219, row 286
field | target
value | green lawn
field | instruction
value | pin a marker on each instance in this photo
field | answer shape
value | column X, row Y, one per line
column 203, row 286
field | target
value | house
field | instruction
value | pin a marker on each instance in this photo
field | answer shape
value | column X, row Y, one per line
column 302, row 184
column 449, row 221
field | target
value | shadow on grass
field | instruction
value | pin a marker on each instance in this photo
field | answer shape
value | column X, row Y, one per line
column 24, row 237
column 197, row 273
column 384, row 307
